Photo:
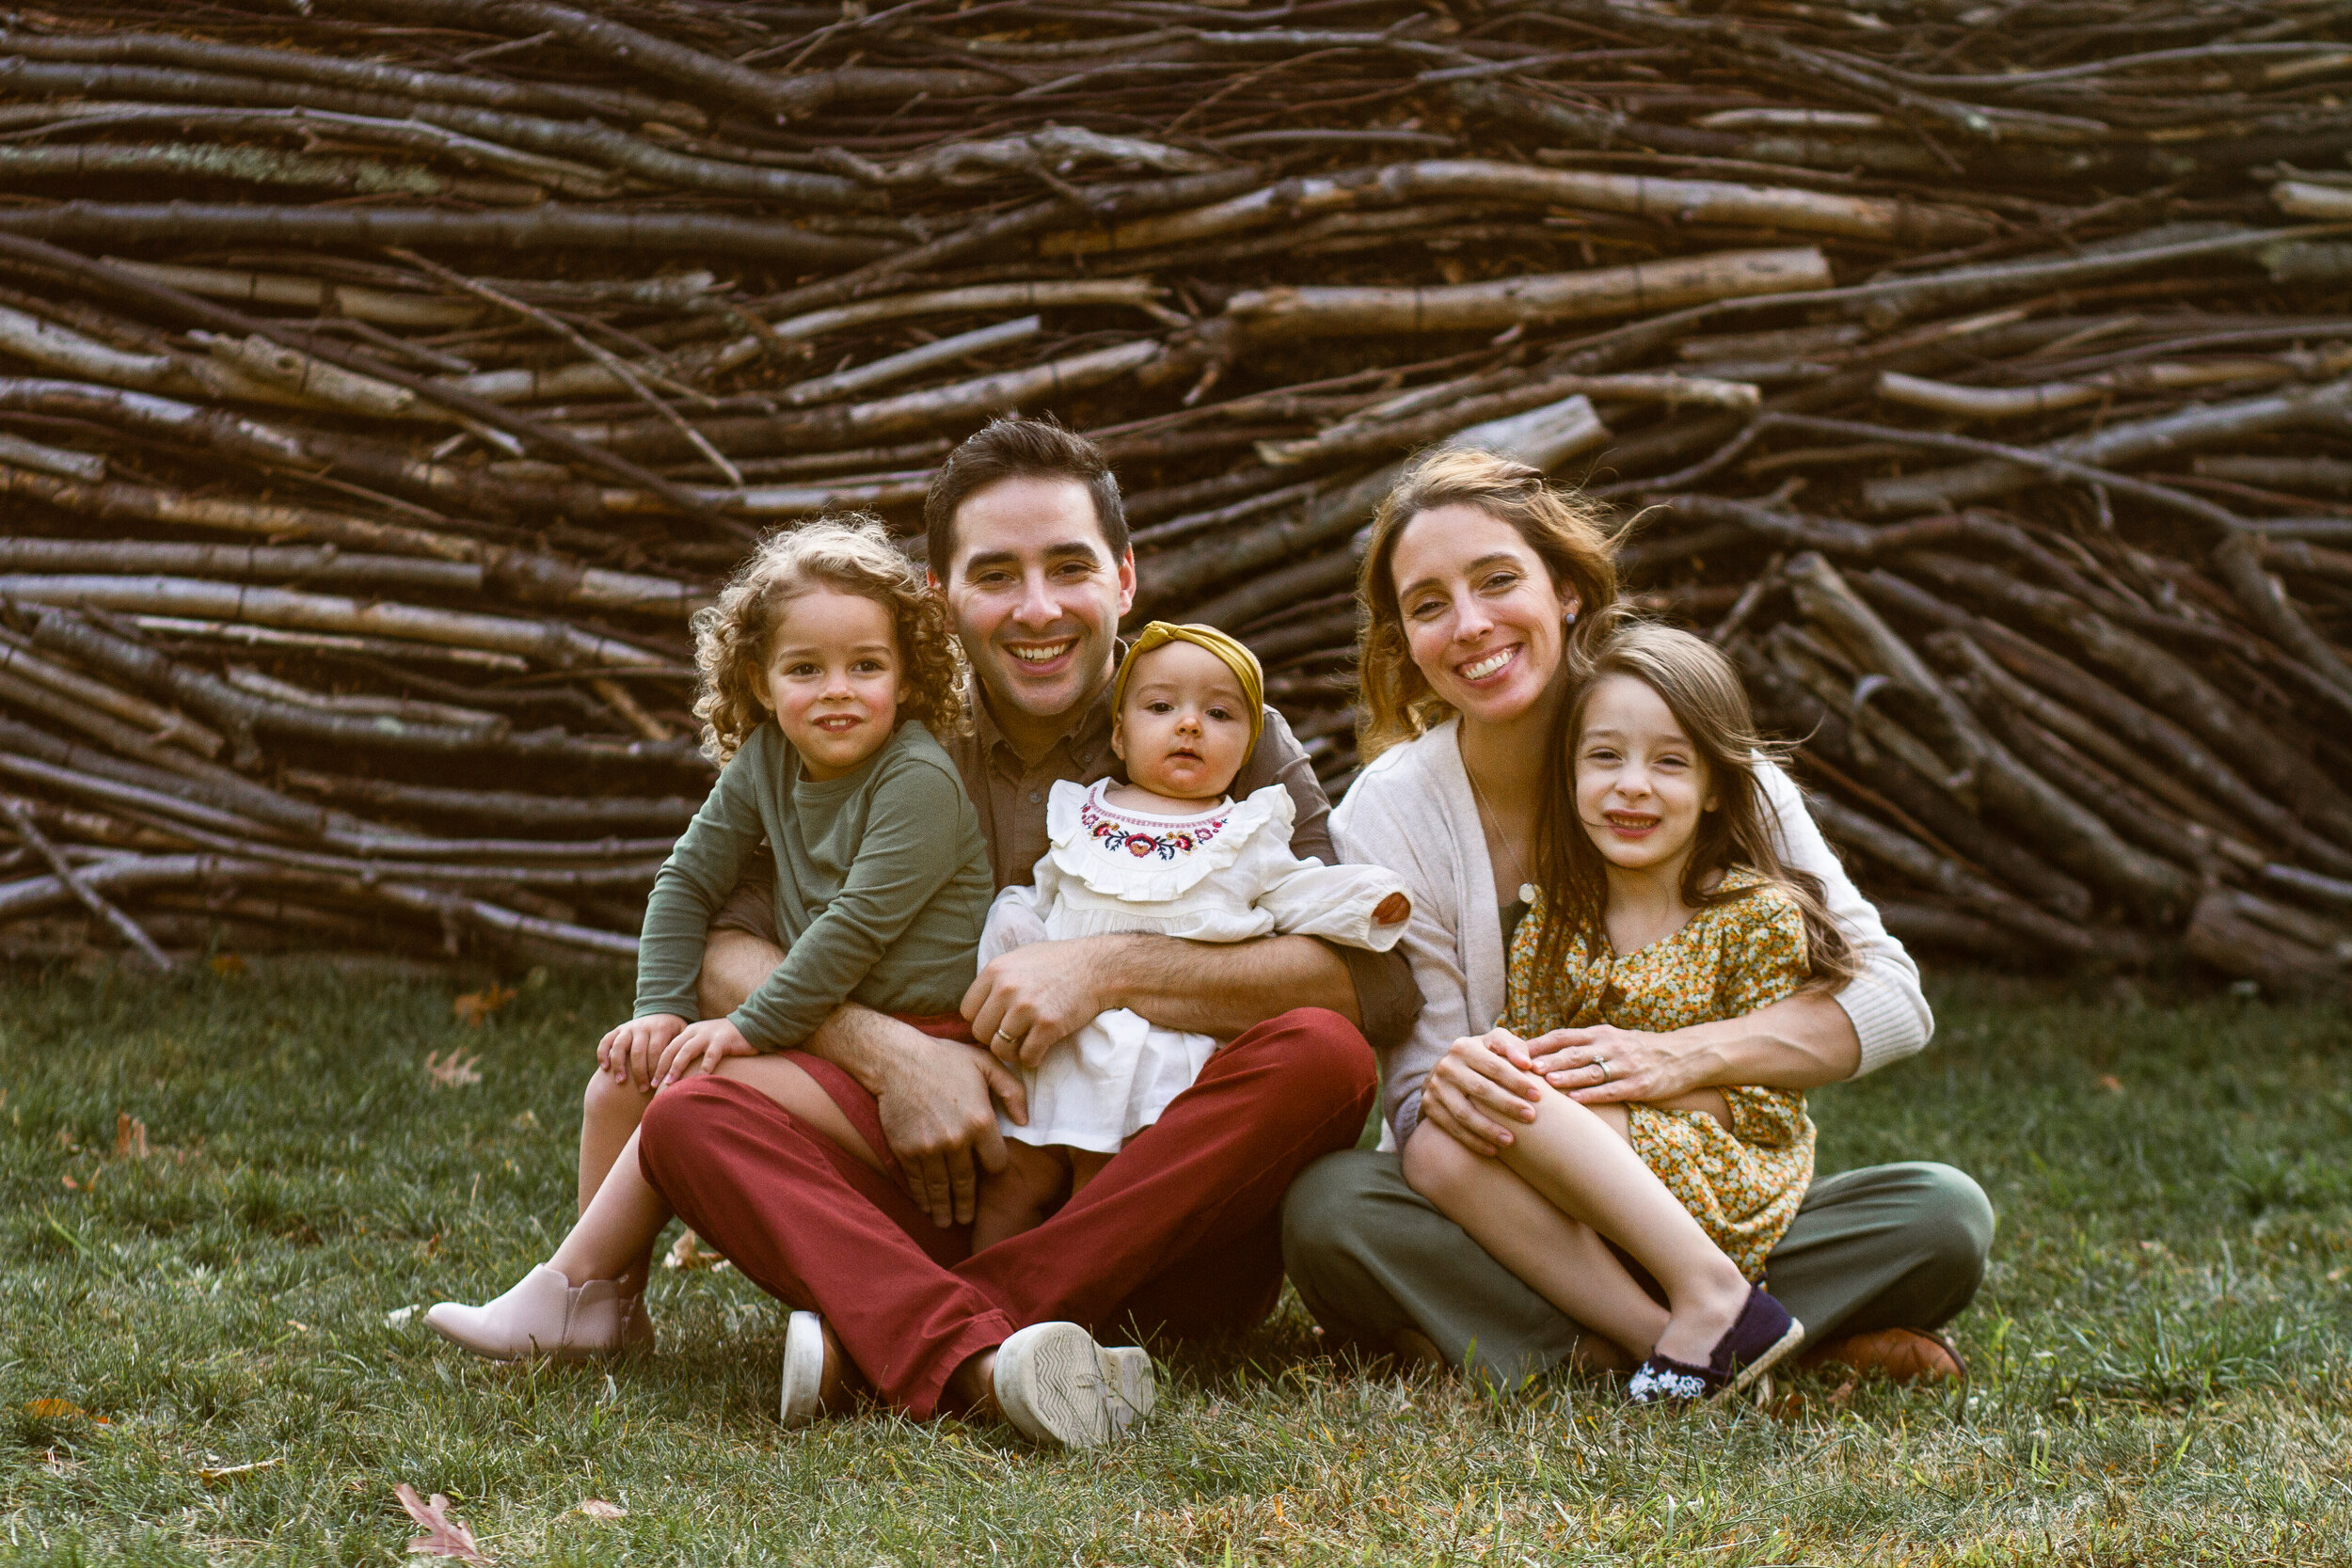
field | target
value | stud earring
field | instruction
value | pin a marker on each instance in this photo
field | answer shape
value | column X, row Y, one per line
column 1567, row 617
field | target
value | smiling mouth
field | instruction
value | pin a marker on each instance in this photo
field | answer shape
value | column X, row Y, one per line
column 1487, row 666
column 836, row 723
column 1627, row 822
column 1040, row 653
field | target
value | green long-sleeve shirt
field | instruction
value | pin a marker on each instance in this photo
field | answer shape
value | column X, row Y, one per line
column 882, row 883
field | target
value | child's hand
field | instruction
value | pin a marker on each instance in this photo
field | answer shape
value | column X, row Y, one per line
column 628, row 1052
column 1395, row 907
column 700, row 1048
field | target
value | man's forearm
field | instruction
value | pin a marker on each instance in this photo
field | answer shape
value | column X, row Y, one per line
column 1799, row 1043
column 1223, row 988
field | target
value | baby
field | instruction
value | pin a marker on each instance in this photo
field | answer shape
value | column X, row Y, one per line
column 1166, row 852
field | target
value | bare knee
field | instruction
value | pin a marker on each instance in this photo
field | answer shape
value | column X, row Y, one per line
column 1436, row 1165
column 610, row 1099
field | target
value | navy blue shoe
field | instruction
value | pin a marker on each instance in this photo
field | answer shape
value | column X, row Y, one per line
column 1764, row 1335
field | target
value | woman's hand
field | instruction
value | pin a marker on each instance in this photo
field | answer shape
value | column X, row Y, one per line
column 699, row 1048
column 1605, row 1065
column 1479, row 1087
column 629, row 1052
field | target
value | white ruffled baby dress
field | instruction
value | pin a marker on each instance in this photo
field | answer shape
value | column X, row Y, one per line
column 1223, row 875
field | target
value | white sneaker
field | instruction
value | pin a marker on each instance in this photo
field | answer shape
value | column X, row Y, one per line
column 1128, row 1378
column 546, row 1315
column 804, row 1369
column 1053, row 1384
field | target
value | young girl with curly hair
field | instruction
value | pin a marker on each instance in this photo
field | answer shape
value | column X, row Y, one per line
column 822, row 662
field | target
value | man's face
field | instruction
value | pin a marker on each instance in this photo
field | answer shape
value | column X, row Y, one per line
column 1035, row 594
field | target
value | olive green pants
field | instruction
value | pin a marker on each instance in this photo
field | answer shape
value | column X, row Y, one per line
column 1885, row 1247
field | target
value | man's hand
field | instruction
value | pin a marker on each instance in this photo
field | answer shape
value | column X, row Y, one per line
column 629, row 1052
column 1605, row 1065
column 937, row 1116
column 1031, row 998
column 700, row 1048
column 1480, row 1088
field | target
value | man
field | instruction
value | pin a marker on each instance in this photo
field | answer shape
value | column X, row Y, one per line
column 1027, row 543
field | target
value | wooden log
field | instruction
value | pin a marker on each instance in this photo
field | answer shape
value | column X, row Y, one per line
column 2225, row 932
column 1275, row 315
column 553, row 643
column 88, row 896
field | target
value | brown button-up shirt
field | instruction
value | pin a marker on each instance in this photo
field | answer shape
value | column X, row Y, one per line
column 1011, row 796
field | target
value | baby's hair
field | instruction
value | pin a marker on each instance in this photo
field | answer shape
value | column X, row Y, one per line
column 849, row 554
column 1702, row 690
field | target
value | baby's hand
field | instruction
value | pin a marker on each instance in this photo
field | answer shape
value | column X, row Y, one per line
column 1391, row 909
column 700, row 1048
column 628, row 1052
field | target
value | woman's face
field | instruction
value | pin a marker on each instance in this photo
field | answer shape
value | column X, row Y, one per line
column 1484, row 622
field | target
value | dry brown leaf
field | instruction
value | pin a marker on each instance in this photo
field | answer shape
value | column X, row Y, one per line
column 130, row 1136
column 475, row 1007
column 54, row 1410
column 444, row 1536
column 2110, row 1082
column 687, row 1251
column 454, row 1074
column 227, row 963
column 597, row 1507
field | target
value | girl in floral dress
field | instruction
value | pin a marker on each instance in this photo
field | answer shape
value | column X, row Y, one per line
column 1167, row 852
column 1659, row 903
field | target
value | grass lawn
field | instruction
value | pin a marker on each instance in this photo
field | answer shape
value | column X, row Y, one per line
column 200, row 1357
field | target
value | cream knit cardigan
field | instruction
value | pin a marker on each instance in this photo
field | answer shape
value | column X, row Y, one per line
column 1412, row 812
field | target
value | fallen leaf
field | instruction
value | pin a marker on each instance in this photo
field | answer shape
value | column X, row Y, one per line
column 54, row 1410
column 70, row 1185
column 687, row 1253
column 443, row 1535
column 454, row 1073
column 212, row 1475
column 398, row 1317
column 475, row 1008
column 2110, row 1082
column 227, row 963
column 130, row 1136
column 597, row 1507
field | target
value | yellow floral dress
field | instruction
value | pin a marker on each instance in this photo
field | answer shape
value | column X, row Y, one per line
column 1742, row 1185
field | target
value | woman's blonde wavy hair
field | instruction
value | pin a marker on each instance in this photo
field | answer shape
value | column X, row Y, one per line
column 1565, row 529
column 851, row 554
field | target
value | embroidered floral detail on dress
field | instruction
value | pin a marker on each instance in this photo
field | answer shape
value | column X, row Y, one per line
column 1114, row 835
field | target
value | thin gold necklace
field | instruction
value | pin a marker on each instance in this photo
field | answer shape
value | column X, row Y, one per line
column 1527, row 889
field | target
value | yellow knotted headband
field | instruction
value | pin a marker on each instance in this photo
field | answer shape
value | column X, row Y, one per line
column 1237, row 658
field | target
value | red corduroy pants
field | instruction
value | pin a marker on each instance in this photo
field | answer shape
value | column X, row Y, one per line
column 1182, row 1230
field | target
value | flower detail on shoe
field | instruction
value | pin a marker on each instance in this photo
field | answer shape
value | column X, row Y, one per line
column 1662, row 1380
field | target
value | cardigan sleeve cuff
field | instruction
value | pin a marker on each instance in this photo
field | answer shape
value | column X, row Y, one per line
column 1892, row 1022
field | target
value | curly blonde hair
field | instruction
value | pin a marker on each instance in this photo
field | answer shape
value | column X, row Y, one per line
column 1565, row 529
column 849, row 554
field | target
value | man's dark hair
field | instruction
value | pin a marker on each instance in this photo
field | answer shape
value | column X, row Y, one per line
column 1016, row 448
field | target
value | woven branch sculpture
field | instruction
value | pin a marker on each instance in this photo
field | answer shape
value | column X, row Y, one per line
column 382, row 383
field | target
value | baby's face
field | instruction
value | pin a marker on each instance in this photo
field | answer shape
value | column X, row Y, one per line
column 1184, row 729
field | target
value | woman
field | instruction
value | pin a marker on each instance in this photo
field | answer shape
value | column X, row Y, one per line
column 1481, row 587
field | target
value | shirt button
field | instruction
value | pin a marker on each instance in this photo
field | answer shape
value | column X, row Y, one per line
column 1035, row 797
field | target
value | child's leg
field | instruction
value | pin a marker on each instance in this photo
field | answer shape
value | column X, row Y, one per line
column 614, row 1235
column 1018, row 1197
column 1578, row 1157
column 1084, row 1165
column 1562, row 1260
column 609, row 1113
column 785, row 1083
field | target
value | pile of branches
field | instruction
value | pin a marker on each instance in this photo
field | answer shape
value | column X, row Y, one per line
column 382, row 383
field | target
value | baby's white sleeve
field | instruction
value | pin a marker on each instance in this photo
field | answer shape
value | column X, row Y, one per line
column 1013, row 921
column 1308, row 898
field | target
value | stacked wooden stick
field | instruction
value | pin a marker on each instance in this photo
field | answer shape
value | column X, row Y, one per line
column 382, row 382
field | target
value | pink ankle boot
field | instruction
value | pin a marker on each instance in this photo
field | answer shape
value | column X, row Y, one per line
column 548, row 1315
